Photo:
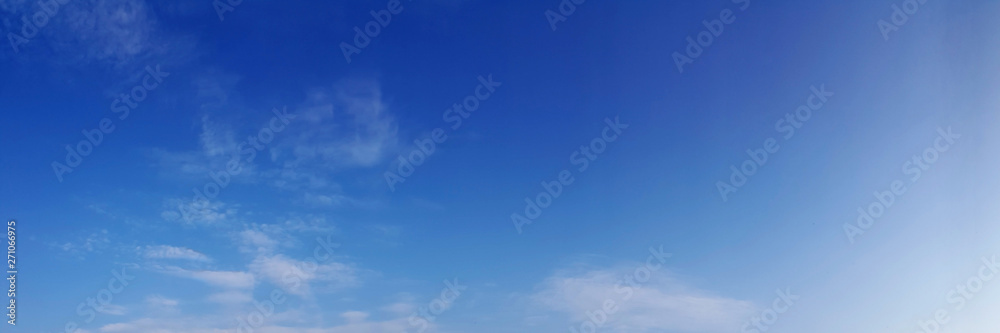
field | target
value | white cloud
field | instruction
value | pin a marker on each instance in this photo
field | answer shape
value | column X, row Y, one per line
column 294, row 276
column 258, row 241
column 167, row 325
column 112, row 309
column 269, row 238
column 189, row 326
column 110, row 30
column 123, row 34
column 224, row 279
column 173, row 252
column 349, row 126
column 660, row 304
column 198, row 212
column 354, row 316
column 309, row 223
column 400, row 308
column 297, row 277
column 327, row 200
column 217, row 140
column 93, row 243
column 160, row 301
column 218, row 148
column 335, row 129
column 231, row 297
column 162, row 305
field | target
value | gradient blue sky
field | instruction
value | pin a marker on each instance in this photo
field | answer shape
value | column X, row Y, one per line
column 323, row 176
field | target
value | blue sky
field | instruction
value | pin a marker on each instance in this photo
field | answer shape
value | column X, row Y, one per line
column 641, row 240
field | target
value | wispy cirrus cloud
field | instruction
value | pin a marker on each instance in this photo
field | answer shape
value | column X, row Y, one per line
column 346, row 126
column 173, row 252
column 200, row 212
column 663, row 303
column 283, row 322
column 161, row 303
column 121, row 34
column 292, row 275
column 223, row 279
column 231, row 297
column 113, row 30
column 349, row 125
column 336, row 129
column 94, row 242
column 277, row 269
